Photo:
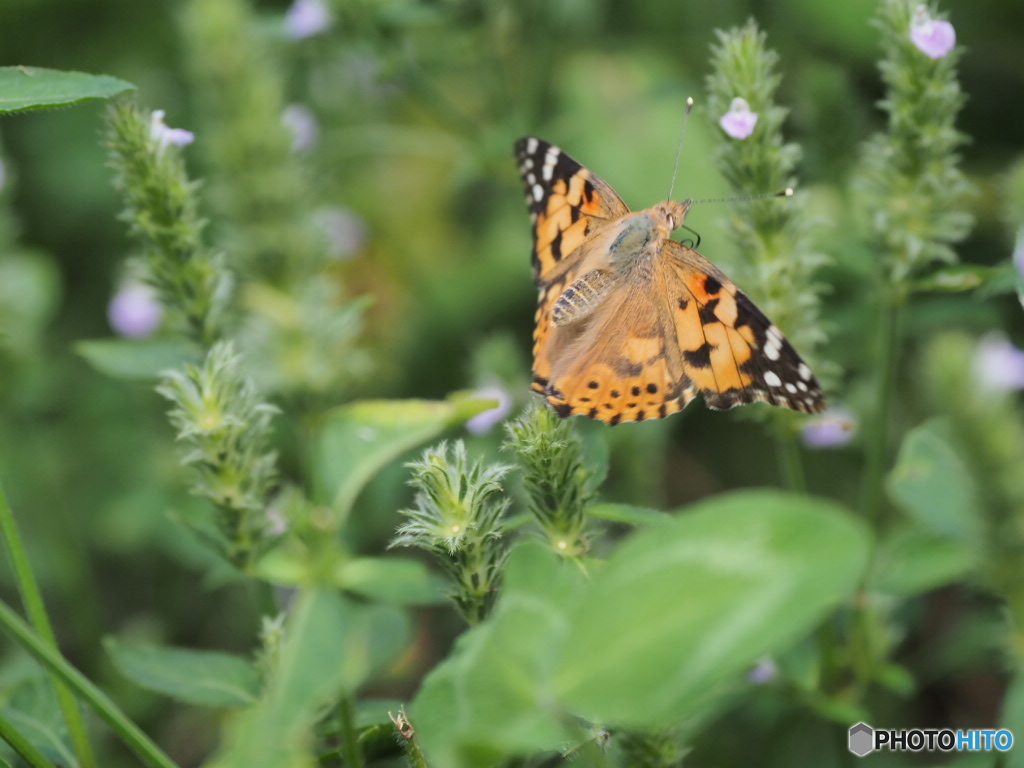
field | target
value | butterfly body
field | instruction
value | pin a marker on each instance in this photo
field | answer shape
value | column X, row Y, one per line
column 631, row 324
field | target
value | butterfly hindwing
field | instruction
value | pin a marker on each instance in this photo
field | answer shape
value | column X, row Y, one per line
column 630, row 371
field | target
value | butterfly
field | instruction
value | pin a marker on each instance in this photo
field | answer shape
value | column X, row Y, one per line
column 631, row 324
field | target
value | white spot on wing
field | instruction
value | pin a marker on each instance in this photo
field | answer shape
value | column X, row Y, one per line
column 531, row 145
column 790, row 388
column 771, row 378
column 771, row 349
column 548, row 172
column 538, row 192
column 804, row 371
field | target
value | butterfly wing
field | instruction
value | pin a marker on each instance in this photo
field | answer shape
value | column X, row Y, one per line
column 572, row 210
column 567, row 204
column 731, row 352
column 620, row 363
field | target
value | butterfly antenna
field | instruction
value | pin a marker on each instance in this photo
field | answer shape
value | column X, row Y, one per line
column 679, row 146
column 787, row 192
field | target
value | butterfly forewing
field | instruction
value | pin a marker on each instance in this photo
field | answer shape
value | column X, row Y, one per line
column 729, row 349
column 568, row 203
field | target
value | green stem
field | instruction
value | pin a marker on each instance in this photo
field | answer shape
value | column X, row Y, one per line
column 129, row 732
column 22, row 746
column 416, row 757
column 349, row 736
column 32, row 599
column 878, row 442
column 791, row 461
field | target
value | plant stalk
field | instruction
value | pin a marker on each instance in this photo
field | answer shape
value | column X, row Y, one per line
column 32, row 599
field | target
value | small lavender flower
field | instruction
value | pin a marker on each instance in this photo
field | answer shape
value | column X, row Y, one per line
column 739, row 121
column 304, row 128
column 306, row 18
column 764, row 672
column 162, row 135
column 484, row 422
column 832, row 429
column 135, row 311
column 345, row 231
column 933, row 37
column 998, row 364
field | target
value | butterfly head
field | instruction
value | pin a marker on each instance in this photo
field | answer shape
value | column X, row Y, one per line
column 668, row 216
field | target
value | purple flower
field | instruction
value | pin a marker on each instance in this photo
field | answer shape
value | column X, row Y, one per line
column 739, row 121
column 832, row 429
column 306, row 18
column 765, row 671
column 135, row 311
column 484, row 422
column 163, row 135
column 303, row 126
column 933, row 37
column 345, row 231
column 998, row 364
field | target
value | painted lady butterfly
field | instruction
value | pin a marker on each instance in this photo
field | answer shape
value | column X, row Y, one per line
column 631, row 324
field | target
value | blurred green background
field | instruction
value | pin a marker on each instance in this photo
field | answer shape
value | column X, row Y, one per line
column 417, row 105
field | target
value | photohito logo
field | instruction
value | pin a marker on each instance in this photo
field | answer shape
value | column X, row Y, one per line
column 864, row 739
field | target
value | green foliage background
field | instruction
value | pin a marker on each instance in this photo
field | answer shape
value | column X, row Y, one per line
column 418, row 105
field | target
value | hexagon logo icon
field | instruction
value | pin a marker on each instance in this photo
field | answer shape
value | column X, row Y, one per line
column 862, row 739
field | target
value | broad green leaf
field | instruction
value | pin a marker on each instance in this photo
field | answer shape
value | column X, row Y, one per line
column 205, row 678
column 683, row 606
column 932, row 485
column 357, row 440
column 394, row 580
column 315, row 665
column 493, row 698
column 912, row 560
column 26, row 88
column 142, row 360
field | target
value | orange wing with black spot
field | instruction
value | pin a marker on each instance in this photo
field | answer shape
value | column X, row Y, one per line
column 731, row 352
column 570, row 208
column 568, row 204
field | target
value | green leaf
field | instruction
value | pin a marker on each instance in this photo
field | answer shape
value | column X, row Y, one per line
column 493, row 697
column 394, row 580
column 681, row 607
column 27, row 88
column 205, row 678
column 628, row 514
column 323, row 654
column 932, row 485
column 912, row 560
column 955, row 278
column 30, row 706
column 141, row 360
column 357, row 440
